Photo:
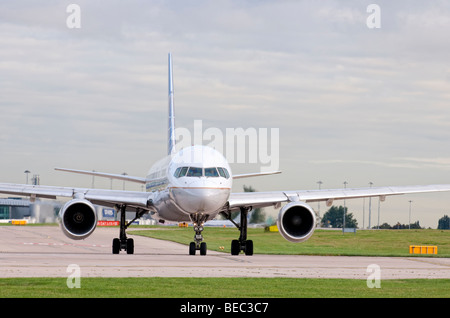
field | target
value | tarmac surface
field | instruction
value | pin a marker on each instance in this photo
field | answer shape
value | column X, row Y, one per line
column 44, row 251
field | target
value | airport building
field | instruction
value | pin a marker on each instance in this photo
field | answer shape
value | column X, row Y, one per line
column 33, row 212
column 46, row 211
column 14, row 208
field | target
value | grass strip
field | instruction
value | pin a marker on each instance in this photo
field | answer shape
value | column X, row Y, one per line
column 158, row 287
column 323, row 242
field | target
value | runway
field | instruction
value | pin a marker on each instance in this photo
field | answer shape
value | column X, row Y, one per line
column 44, row 251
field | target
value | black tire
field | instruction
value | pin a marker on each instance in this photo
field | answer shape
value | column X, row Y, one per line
column 203, row 248
column 130, row 246
column 192, row 248
column 116, row 246
column 235, row 247
column 249, row 247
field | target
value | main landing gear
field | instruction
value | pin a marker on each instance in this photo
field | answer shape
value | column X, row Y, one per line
column 242, row 244
column 124, row 243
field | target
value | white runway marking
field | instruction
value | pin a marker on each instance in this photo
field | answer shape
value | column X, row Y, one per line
column 63, row 244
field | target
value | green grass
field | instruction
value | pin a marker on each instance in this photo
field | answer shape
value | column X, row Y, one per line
column 323, row 242
column 158, row 287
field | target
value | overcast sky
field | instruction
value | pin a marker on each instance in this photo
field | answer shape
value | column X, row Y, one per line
column 351, row 103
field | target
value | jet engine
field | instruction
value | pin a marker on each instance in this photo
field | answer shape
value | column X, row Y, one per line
column 296, row 222
column 78, row 219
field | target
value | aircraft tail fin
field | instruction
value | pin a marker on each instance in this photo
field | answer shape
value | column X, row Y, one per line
column 171, row 128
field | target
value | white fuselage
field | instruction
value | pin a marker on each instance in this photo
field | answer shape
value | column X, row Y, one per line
column 196, row 181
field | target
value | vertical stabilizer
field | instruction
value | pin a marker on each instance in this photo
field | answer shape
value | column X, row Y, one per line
column 171, row 135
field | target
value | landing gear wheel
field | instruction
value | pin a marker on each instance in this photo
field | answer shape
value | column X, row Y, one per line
column 248, row 248
column 192, row 248
column 203, row 248
column 130, row 246
column 127, row 245
column 116, row 246
column 235, row 247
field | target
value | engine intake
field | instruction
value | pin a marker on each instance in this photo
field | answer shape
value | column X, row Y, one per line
column 78, row 219
column 296, row 222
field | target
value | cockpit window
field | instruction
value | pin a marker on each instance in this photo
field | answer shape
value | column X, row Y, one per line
column 223, row 172
column 211, row 172
column 180, row 172
column 198, row 172
column 183, row 172
column 194, row 172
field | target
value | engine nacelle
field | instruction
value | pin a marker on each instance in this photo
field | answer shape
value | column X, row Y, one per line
column 78, row 219
column 296, row 222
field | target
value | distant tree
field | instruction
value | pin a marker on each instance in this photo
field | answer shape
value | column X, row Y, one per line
column 398, row 226
column 334, row 217
column 415, row 225
column 444, row 223
column 258, row 215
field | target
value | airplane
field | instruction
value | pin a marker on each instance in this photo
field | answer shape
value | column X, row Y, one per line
column 194, row 184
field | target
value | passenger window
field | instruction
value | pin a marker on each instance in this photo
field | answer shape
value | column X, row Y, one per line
column 211, row 172
column 195, row 172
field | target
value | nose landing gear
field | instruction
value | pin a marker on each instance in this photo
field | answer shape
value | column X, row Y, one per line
column 198, row 245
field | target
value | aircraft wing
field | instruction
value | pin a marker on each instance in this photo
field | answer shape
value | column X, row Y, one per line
column 96, row 196
column 122, row 177
column 256, row 174
column 275, row 198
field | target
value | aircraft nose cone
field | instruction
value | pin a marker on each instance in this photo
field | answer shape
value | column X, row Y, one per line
column 200, row 199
